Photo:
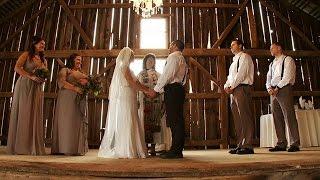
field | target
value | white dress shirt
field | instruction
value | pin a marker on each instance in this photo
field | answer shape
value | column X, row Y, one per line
column 241, row 71
column 274, row 73
column 174, row 71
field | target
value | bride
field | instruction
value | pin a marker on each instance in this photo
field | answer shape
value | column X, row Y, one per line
column 124, row 132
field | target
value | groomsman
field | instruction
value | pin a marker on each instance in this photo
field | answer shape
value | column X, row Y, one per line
column 280, row 79
column 171, row 83
column 239, row 86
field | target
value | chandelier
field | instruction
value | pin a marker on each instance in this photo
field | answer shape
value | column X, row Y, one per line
column 146, row 8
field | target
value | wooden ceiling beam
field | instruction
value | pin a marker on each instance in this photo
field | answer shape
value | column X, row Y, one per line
column 233, row 22
column 204, row 71
column 165, row 5
column 76, row 23
column 16, row 12
column 159, row 53
column 294, row 28
column 30, row 20
column 3, row 2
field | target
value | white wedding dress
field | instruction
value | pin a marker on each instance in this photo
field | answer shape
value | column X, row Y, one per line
column 124, row 131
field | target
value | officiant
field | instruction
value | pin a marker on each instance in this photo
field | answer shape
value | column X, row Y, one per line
column 151, row 111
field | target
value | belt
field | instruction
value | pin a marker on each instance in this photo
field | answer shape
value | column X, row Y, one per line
column 282, row 87
column 244, row 85
column 176, row 84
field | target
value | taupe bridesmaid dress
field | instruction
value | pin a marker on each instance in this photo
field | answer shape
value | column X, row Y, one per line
column 70, row 126
column 25, row 134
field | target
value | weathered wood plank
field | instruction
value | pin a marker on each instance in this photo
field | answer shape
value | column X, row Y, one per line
column 165, row 4
column 17, row 12
column 252, row 26
column 197, row 52
column 295, row 28
column 223, row 104
column 225, row 33
column 32, row 18
column 75, row 23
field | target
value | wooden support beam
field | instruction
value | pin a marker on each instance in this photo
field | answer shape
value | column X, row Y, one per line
column 75, row 23
column 3, row 2
column 233, row 22
column 198, row 52
column 17, row 11
column 31, row 19
column 223, row 103
column 252, row 27
column 204, row 71
column 165, row 5
column 213, row 95
column 259, row 94
column 295, row 28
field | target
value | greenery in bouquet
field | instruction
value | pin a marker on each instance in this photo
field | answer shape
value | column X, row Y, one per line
column 92, row 87
column 43, row 73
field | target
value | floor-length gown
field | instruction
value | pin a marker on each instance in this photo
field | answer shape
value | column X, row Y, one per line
column 153, row 115
column 70, row 127
column 26, row 135
column 124, row 133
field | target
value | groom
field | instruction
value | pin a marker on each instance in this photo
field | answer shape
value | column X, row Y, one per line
column 171, row 82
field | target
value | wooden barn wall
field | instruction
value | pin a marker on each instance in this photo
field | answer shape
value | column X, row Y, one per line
column 207, row 114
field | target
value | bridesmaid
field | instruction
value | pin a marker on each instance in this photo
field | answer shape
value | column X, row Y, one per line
column 25, row 134
column 70, row 126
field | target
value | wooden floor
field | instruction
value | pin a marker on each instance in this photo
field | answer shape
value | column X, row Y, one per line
column 197, row 163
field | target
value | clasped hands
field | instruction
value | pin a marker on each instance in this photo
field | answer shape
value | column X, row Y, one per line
column 228, row 90
column 151, row 93
column 273, row 91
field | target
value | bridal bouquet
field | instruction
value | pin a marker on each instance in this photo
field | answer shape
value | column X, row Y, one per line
column 92, row 86
column 43, row 73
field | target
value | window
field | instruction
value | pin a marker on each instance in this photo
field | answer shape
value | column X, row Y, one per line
column 153, row 35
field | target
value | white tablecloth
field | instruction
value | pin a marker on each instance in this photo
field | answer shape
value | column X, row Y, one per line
column 309, row 129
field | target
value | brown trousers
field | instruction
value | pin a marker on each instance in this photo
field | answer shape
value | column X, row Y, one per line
column 283, row 113
column 243, row 118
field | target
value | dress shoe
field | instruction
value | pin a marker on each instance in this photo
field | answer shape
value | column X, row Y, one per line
column 171, row 155
column 245, row 151
column 277, row 148
column 293, row 149
column 163, row 153
column 234, row 151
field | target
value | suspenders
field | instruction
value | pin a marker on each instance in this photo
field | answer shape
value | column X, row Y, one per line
column 238, row 63
column 185, row 73
column 282, row 68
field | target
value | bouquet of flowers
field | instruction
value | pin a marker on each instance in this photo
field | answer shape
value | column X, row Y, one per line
column 43, row 73
column 92, row 86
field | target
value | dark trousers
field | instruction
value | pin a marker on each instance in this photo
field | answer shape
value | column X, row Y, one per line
column 283, row 113
column 242, row 115
column 174, row 97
